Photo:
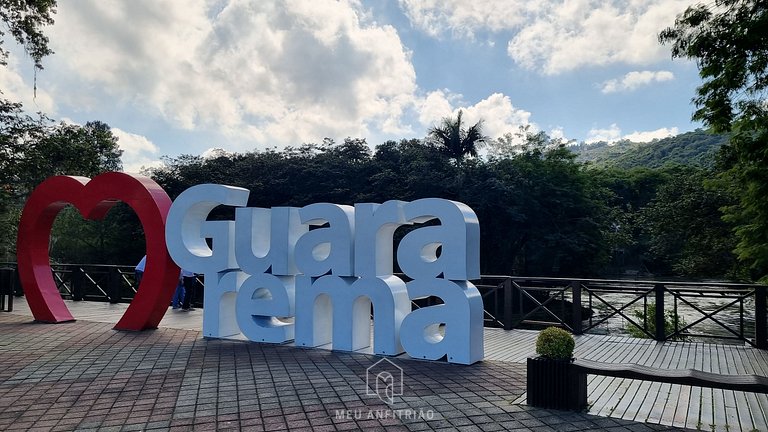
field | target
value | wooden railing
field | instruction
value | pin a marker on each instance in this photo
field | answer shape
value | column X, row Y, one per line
column 736, row 311
column 91, row 282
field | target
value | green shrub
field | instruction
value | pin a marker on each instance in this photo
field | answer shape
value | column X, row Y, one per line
column 650, row 311
column 555, row 343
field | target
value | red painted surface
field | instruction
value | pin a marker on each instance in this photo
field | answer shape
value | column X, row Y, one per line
column 93, row 198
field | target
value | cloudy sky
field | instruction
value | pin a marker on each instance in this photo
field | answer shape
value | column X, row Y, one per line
column 173, row 77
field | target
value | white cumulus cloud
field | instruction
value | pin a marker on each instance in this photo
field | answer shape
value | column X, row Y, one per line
column 634, row 80
column 260, row 73
column 15, row 88
column 557, row 133
column 138, row 151
column 652, row 135
column 497, row 112
column 464, row 18
column 555, row 36
column 609, row 134
column 613, row 133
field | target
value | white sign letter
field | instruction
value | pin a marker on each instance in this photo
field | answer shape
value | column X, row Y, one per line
column 374, row 227
column 461, row 314
column 457, row 236
column 219, row 299
column 263, row 303
column 327, row 249
column 265, row 239
column 347, row 302
column 186, row 228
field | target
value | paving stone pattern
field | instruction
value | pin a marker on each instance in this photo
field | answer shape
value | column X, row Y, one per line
column 86, row 376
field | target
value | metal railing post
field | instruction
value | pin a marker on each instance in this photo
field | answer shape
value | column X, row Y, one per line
column 659, row 318
column 77, row 283
column 113, row 285
column 508, row 304
column 16, row 288
column 6, row 289
column 576, row 323
column 761, row 323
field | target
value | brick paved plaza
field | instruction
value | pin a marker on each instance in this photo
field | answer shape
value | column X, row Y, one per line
column 85, row 376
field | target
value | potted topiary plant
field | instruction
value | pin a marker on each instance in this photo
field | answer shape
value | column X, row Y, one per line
column 552, row 381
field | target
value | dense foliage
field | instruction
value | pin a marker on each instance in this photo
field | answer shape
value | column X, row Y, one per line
column 33, row 149
column 542, row 212
column 539, row 212
column 728, row 39
column 672, row 322
column 456, row 140
column 555, row 343
column 546, row 207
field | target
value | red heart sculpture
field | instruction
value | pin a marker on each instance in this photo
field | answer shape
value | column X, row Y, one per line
column 93, row 198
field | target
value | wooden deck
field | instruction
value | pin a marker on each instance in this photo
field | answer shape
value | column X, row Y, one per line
column 667, row 404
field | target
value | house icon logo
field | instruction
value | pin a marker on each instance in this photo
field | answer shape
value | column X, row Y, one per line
column 385, row 380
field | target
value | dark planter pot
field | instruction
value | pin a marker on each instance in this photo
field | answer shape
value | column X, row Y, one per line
column 556, row 384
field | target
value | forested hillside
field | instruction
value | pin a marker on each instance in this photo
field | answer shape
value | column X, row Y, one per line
column 697, row 148
column 542, row 212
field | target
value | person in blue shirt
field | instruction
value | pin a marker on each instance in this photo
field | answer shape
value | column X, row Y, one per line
column 179, row 295
column 139, row 270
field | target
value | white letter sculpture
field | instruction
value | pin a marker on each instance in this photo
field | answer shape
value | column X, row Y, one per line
column 264, row 302
column 314, row 274
column 347, row 302
column 186, row 231
column 458, row 237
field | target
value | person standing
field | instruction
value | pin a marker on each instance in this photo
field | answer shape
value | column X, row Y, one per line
column 180, row 294
column 190, row 283
column 139, row 270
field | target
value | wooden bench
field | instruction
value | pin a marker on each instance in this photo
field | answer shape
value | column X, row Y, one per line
column 563, row 385
column 691, row 377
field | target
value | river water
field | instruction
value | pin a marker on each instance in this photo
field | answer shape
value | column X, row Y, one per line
column 730, row 316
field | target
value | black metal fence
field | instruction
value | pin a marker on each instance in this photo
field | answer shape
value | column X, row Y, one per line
column 91, row 282
column 680, row 310
column 9, row 286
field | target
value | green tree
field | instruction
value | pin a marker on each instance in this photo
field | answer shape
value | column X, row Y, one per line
column 524, row 140
column 35, row 149
column 455, row 139
column 729, row 41
column 541, row 211
column 24, row 19
column 117, row 239
column 626, row 194
column 68, row 149
column 17, row 131
column 672, row 322
column 409, row 170
column 687, row 236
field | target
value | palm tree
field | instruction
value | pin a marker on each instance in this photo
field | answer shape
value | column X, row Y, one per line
column 456, row 141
